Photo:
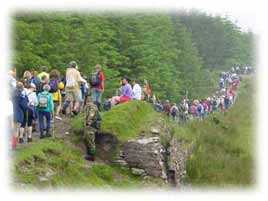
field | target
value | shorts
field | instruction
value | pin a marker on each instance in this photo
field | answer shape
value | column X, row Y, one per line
column 124, row 99
column 73, row 96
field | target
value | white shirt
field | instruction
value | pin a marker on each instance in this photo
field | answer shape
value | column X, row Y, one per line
column 137, row 92
column 32, row 97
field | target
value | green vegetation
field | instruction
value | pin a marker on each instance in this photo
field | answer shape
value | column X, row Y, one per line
column 224, row 151
column 128, row 120
column 55, row 164
column 178, row 53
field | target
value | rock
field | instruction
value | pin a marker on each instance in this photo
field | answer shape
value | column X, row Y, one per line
column 155, row 131
column 146, row 154
column 122, row 162
column 137, row 171
column 179, row 154
column 43, row 179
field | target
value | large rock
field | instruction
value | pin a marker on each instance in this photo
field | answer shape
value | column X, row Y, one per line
column 147, row 154
column 178, row 155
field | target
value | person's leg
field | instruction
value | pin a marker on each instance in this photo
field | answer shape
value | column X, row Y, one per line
column 29, row 124
column 98, row 99
column 48, row 118
column 77, row 99
column 94, row 95
column 41, row 123
column 89, row 136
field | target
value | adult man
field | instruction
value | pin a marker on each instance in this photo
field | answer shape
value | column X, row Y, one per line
column 97, row 84
column 91, row 125
column 72, row 87
column 126, row 95
column 136, row 90
column 43, row 72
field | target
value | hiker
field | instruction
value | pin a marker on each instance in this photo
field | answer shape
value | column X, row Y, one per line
column 214, row 104
column 183, row 111
column 147, row 90
column 43, row 72
column 34, row 79
column 96, row 81
column 166, row 108
column 26, row 78
column 136, row 90
column 200, row 111
column 40, row 85
column 45, row 109
column 72, row 87
column 193, row 111
column 220, row 101
column 221, row 83
column 12, row 82
column 30, row 114
column 205, row 107
column 92, row 123
column 127, row 93
column 55, row 86
column 20, row 103
column 84, row 92
column 174, row 112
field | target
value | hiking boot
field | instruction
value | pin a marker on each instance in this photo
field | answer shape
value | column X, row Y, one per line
column 21, row 140
column 42, row 136
column 29, row 139
column 48, row 134
column 90, row 158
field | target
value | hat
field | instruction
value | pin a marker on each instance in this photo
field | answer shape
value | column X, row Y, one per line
column 72, row 64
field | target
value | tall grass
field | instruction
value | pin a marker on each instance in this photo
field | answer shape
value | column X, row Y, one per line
column 224, row 151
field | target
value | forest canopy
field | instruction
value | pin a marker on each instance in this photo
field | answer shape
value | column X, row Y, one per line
column 178, row 53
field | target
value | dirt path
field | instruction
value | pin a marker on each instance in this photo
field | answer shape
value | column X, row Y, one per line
column 59, row 128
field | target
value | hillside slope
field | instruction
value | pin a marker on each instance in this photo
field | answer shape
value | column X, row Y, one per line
column 224, row 152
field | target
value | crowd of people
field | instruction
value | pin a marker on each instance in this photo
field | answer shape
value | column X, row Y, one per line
column 46, row 97
column 199, row 109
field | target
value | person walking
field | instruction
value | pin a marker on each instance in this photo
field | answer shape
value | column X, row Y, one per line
column 96, row 81
column 45, row 109
column 72, row 87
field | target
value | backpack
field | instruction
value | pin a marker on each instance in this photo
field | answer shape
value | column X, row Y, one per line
column 214, row 102
column 53, row 83
column 199, row 108
column 94, row 79
column 174, row 111
column 70, row 82
column 107, row 105
column 43, row 101
column 39, row 87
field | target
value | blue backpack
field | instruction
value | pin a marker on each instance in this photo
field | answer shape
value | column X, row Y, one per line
column 174, row 111
column 199, row 107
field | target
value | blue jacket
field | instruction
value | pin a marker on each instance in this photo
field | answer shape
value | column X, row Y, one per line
column 20, row 102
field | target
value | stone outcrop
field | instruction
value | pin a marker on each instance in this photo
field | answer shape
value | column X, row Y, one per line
column 147, row 156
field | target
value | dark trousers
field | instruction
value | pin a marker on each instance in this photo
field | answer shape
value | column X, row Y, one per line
column 41, row 115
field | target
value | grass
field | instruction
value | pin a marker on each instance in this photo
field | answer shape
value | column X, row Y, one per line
column 128, row 120
column 224, row 152
column 68, row 168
